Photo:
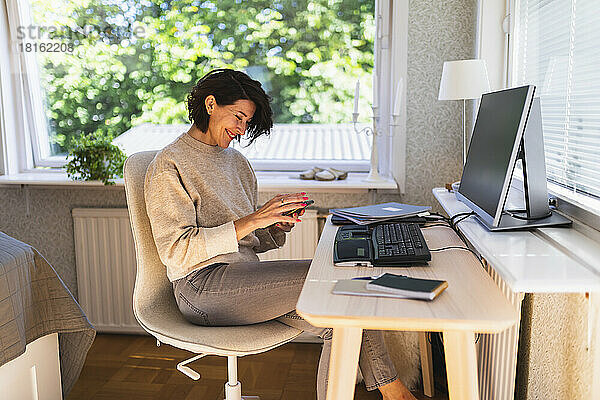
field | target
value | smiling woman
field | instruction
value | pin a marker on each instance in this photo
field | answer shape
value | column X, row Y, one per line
column 201, row 199
column 225, row 104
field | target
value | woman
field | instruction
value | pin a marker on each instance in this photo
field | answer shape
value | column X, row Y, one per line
column 201, row 198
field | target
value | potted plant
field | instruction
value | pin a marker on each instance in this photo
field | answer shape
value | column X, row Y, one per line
column 94, row 157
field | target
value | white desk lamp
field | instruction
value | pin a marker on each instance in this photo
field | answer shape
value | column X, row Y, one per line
column 462, row 80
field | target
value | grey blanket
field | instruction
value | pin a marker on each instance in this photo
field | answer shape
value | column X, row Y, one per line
column 34, row 302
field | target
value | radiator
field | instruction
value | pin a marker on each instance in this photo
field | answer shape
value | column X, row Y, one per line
column 497, row 353
column 301, row 242
column 105, row 262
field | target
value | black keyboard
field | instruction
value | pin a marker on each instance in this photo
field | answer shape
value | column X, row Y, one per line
column 399, row 243
column 387, row 244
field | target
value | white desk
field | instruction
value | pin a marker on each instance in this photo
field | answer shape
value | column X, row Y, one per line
column 472, row 303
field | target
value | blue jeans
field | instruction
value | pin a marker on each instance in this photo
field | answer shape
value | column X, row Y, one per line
column 251, row 292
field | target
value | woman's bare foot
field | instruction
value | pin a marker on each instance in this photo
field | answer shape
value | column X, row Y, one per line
column 396, row 391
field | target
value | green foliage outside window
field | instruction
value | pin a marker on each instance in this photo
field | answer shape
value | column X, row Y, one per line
column 307, row 53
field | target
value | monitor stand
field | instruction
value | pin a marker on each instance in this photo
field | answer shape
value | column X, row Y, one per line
column 510, row 223
column 531, row 152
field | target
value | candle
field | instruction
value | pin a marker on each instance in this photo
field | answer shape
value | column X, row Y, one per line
column 356, row 92
column 398, row 99
column 375, row 84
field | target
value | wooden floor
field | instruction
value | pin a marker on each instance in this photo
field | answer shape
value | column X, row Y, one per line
column 132, row 367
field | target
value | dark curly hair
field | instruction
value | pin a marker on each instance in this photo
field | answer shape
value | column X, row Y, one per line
column 228, row 86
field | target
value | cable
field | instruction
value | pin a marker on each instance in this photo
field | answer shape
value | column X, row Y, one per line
column 461, row 248
column 459, row 218
column 442, row 217
column 452, row 225
column 447, row 225
column 440, row 347
column 511, row 213
column 448, row 222
column 436, row 220
column 450, row 247
column 437, row 214
column 461, row 214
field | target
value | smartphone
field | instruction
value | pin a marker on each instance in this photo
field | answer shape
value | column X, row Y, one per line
column 297, row 210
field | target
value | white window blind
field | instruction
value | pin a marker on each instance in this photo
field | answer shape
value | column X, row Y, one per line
column 557, row 48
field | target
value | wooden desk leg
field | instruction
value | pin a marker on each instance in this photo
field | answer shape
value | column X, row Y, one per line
column 461, row 365
column 343, row 364
column 426, row 365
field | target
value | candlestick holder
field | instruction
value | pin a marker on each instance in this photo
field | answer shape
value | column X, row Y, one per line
column 373, row 176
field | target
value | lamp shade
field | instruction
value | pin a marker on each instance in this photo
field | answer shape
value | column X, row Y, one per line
column 463, row 79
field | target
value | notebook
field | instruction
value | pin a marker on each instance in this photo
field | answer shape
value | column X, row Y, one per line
column 339, row 220
column 359, row 288
column 379, row 212
column 424, row 289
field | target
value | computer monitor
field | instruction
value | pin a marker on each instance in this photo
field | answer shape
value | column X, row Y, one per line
column 508, row 128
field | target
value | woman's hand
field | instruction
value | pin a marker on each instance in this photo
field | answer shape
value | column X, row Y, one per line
column 286, row 226
column 272, row 213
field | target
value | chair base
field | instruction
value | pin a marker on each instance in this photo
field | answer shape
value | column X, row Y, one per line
column 235, row 393
column 232, row 391
column 181, row 367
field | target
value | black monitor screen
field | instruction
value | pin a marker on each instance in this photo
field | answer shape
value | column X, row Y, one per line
column 492, row 144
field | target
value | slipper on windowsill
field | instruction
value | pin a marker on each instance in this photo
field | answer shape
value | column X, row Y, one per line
column 331, row 174
column 310, row 173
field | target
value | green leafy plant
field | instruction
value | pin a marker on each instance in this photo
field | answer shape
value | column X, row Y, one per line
column 94, row 157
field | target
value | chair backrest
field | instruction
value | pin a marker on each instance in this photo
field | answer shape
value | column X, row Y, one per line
column 152, row 291
column 154, row 304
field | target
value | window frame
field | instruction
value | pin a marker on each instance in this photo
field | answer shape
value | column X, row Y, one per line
column 579, row 206
column 391, row 160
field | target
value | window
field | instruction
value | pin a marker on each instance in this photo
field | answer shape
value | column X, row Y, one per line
column 107, row 66
column 556, row 49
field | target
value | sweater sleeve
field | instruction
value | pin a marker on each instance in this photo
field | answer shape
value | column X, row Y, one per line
column 269, row 238
column 181, row 244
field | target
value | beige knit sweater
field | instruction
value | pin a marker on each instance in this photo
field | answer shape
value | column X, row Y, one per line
column 193, row 193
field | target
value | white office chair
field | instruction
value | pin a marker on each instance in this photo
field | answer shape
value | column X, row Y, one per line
column 155, row 308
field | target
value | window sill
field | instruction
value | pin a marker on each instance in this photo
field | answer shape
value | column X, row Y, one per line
column 545, row 260
column 572, row 204
column 267, row 182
